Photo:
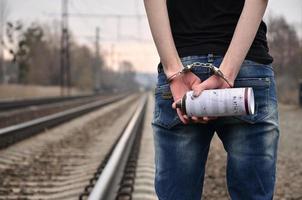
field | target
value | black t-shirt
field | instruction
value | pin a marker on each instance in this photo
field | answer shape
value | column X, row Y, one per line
column 206, row 26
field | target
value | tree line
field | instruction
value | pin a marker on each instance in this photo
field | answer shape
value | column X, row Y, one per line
column 286, row 48
column 35, row 52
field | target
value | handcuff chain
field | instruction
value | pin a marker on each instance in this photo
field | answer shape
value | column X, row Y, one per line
column 214, row 70
column 188, row 68
column 198, row 64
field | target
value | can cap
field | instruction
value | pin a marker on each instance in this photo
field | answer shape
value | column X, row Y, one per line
column 251, row 101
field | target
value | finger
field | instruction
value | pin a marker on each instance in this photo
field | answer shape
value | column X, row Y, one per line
column 206, row 119
column 195, row 84
column 174, row 104
column 198, row 120
column 195, row 87
column 181, row 116
column 198, row 89
column 209, row 118
column 187, row 118
column 196, row 81
column 210, row 83
column 203, row 118
column 194, row 118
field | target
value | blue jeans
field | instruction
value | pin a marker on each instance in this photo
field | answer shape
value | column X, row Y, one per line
column 250, row 141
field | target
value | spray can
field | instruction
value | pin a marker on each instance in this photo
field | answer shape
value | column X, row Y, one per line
column 218, row 102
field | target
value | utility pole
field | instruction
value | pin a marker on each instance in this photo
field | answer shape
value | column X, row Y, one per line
column 65, row 80
column 96, row 67
column 2, row 67
column 112, row 54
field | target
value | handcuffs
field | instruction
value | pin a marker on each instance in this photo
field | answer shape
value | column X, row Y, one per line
column 214, row 70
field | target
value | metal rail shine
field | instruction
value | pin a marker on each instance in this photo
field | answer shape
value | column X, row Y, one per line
column 108, row 183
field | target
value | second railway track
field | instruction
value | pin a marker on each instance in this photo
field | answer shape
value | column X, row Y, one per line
column 15, row 133
column 15, row 104
column 37, row 108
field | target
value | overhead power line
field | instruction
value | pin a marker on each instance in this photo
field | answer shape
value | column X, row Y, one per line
column 118, row 17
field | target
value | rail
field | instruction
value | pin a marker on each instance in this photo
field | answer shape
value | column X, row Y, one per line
column 107, row 184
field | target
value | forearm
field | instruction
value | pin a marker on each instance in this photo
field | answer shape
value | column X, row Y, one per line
column 160, row 28
column 243, row 37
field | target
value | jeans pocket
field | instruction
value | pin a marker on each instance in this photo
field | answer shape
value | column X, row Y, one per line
column 164, row 115
column 261, row 87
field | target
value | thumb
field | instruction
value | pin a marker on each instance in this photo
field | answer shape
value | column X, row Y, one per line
column 174, row 103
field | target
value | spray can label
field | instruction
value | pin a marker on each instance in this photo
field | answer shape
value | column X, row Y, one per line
column 219, row 102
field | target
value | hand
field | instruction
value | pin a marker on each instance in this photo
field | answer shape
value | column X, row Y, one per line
column 213, row 82
column 179, row 86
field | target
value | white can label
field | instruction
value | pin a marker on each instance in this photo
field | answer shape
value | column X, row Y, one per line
column 221, row 102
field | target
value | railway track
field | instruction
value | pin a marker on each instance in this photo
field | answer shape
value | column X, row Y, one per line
column 14, row 133
column 61, row 162
column 33, row 111
column 6, row 105
column 116, row 179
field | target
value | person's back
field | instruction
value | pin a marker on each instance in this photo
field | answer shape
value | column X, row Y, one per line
column 201, row 26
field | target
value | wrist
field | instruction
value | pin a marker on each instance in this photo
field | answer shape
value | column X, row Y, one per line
column 229, row 74
column 230, row 68
column 171, row 69
column 230, row 78
column 176, row 80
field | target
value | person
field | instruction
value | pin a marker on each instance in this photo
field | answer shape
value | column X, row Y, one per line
column 230, row 35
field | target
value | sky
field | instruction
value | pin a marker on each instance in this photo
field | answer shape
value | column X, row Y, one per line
column 134, row 42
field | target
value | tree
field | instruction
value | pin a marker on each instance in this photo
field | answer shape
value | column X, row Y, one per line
column 35, row 53
column 82, row 60
column 24, row 46
column 285, row 47
column 17, row 48
column 284, row 44
column 36, row 50
column 127, row 76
